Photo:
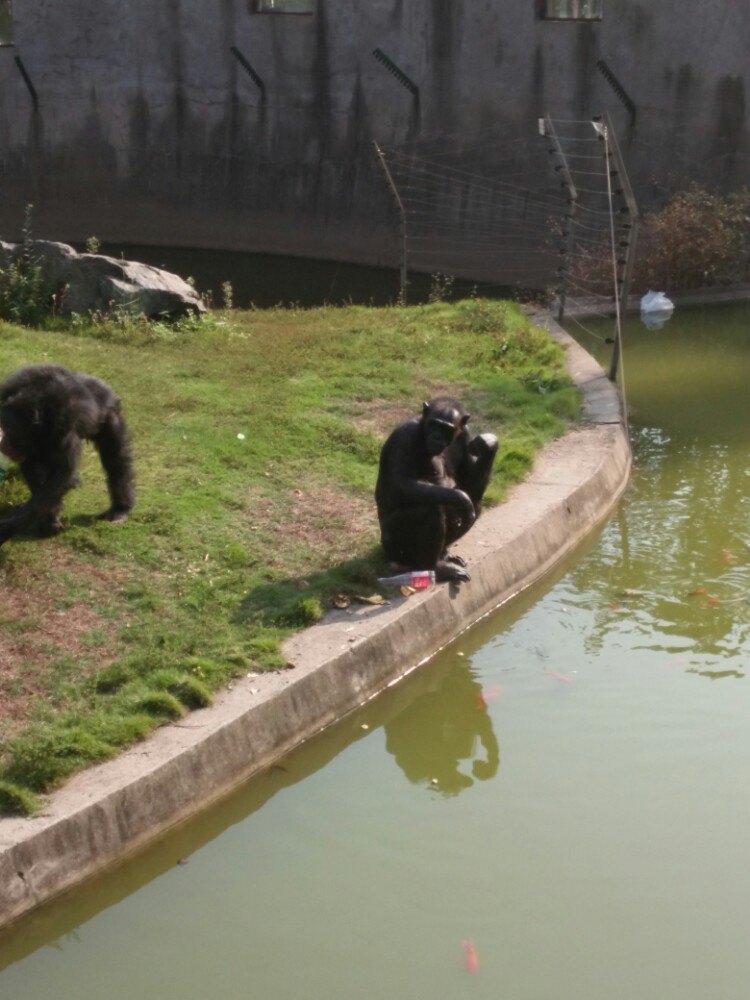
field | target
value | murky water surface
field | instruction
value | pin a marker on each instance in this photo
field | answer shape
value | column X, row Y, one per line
column 268, row 280
column 568, row 787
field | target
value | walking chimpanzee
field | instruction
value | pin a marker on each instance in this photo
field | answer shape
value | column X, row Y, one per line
column 431, row 481
column 46, row 412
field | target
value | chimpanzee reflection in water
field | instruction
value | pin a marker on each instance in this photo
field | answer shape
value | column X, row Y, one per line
column 445, row 726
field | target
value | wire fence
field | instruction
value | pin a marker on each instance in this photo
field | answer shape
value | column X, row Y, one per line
column 531, row 205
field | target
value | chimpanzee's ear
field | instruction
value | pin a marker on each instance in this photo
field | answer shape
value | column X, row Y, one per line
column 465, row 419
column 425, row 410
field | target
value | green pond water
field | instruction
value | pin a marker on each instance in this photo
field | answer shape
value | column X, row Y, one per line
column 267, row 280
column 567, row 787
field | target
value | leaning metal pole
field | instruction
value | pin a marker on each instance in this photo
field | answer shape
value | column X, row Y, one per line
column 616, row 172
column 567, row 182
column 401, row 217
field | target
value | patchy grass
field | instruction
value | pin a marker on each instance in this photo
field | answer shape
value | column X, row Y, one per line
column 256, row 441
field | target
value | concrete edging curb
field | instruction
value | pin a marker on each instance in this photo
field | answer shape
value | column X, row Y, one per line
column 112, row 810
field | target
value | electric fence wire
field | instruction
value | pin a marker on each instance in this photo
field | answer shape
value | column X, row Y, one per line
column 587, row 289
column 490, row 218
column 434, row 169
column 616, row 281
column 573, row 319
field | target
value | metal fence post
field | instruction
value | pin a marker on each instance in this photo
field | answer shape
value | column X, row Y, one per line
column 568, row 236
column 402, row 220
column 616, row 168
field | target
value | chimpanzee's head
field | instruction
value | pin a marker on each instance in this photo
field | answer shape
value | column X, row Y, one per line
column 442, row 419
column 14, row 430
column 37, row 410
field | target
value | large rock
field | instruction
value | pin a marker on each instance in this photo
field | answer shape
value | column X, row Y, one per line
column 95, row 283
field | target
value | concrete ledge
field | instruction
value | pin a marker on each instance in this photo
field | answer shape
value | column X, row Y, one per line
column 110, row 811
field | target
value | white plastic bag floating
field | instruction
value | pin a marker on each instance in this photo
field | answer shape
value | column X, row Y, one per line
column 654, row 302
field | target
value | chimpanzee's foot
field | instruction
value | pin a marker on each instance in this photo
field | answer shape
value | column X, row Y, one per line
column 50, row 527
column 458, row 560
column 446, row 572
column 115, row 514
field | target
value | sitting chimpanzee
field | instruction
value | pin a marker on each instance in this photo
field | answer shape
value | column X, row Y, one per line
column 431, row 481
column 46, row 412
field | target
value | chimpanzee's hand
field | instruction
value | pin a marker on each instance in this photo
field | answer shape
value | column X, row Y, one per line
column 483, row 444
column 465, row 507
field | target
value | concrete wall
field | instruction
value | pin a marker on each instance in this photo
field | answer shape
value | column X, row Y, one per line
column 147, row 128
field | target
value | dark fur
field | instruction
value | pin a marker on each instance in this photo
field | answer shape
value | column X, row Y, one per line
column 431, row 481
column 46, row 412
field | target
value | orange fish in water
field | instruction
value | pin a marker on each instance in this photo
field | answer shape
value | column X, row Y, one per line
column 488, row 694
column 557, row 677
column 698, row 592
column 728, row 557
column 471, row 959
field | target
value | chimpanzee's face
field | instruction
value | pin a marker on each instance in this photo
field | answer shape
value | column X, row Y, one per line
column 19, row 426
column 438, row 434
column 441, row 424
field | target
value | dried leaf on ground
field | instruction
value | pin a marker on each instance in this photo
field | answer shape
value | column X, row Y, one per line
column 372, row 599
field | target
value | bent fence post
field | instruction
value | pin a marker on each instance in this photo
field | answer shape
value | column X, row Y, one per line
column 403, row 281
column 617, row 171
column 567, row 232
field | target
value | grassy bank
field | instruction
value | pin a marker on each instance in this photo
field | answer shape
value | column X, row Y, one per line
column 256, row 443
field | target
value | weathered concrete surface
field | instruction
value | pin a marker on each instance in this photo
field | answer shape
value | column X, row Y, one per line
column 112, row 810
column 89, row 282
column 144, row 127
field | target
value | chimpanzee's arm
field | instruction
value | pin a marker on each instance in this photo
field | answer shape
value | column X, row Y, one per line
column 48, row 483
column 474, row 468
column 408, row 468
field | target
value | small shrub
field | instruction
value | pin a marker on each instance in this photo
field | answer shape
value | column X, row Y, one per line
column 206, row 669
column 41, row 759
column 308, row 610
column 695, row 241
column 160, row 704
column 112, row 678
column 16, row 801
column 515, row 462
column 264, row 650
column 698, row 240
column 25, row 294
column 441, row 287
column 188, row 690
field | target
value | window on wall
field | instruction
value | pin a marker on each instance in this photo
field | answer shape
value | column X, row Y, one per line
column 572, row 10
column 284, row 6
column 6, row 22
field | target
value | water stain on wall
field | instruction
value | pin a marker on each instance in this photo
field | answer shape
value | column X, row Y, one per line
column 537, row 102
column 445, row 42
column 585, row 61
column 730, row 121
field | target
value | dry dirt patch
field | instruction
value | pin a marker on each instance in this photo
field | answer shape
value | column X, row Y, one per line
column 381, row 416
column 38, row 626
column 322, row 523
